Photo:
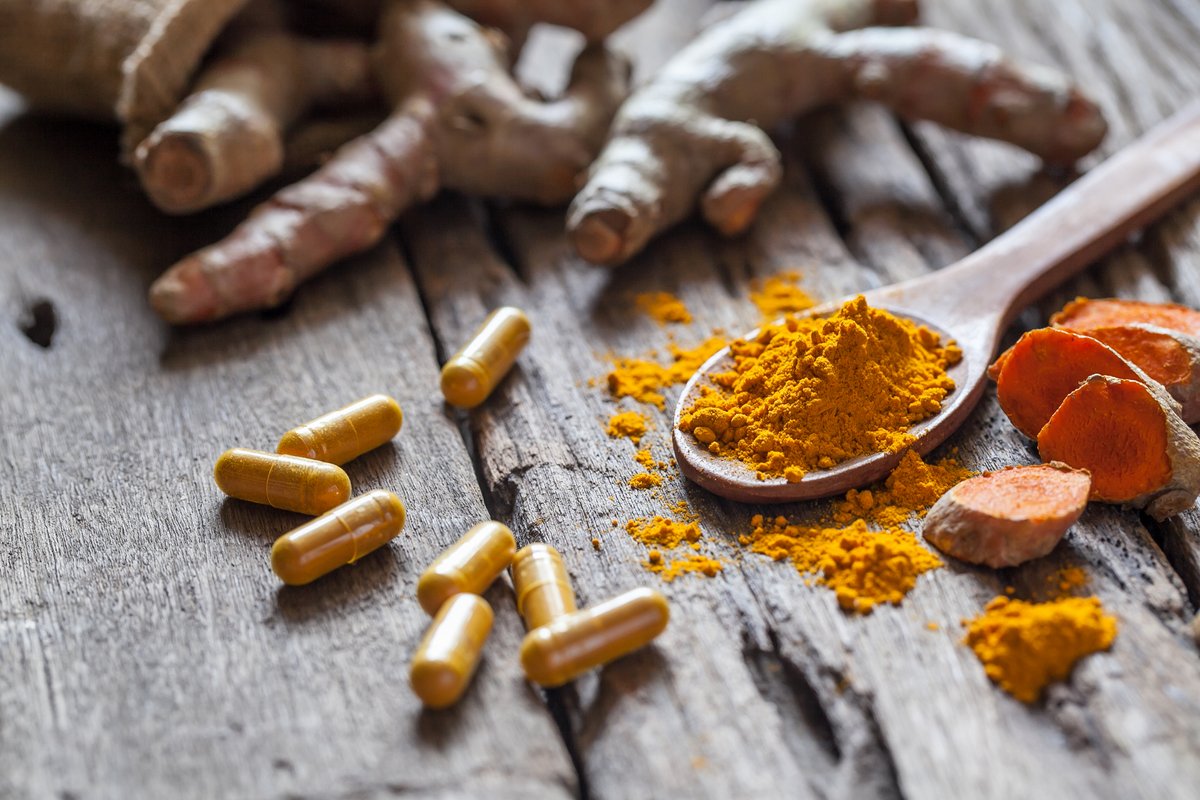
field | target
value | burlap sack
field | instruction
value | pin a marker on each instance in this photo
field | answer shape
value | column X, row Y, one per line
column 128, row 60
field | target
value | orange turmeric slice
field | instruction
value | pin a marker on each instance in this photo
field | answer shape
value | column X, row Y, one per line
column 1009, row 516
column 1127, row 435
column 1082, row 314
column 1047, row 364
column 1170, row 357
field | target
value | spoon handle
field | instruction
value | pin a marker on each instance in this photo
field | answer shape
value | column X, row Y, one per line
column 1078, row 225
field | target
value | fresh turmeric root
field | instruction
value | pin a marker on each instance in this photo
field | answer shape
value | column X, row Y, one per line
column 696, row 129
column 227, row 137
column 460, row 121
column 1046, row 365
column 1010, row 516
column 1082, row 314
column 1128, row 436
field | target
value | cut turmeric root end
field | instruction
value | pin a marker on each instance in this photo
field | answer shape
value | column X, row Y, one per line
column 1128, row 436
column 1046, row 365
column 1083, row 314
column 1009, row 516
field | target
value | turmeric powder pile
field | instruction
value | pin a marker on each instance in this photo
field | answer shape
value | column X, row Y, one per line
column 663, row 307
column 644, row 380
column 689, row 564
column 1025, row 646
column 864, row 568
column 660, row 532
column 809, row 393
column 911, row 488
column 628, row 425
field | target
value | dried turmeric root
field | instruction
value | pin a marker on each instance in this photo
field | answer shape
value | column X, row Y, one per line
column 1128, row 436
column 696, row 129
column 1046, row 365
column 1083, row 314
column 460, row 121
column 1009, row 516
column 227, row 137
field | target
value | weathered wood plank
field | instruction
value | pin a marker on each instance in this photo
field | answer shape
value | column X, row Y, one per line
column 148, row 649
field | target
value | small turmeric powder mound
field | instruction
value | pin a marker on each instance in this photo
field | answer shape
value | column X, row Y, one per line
column 663, row 307
column 660, row 532
column 645, row 458
column 810, row 393
column 645, row 480
column 628, row 425
column 911, row 488
column 644, row 380
column 779, row 295
column 864, row 568
column 1025, row 646
column 1067, row 578
column 692, row 563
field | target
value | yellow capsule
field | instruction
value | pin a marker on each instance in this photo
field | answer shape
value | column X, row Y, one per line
column 469, row 565
column 569, row 646
column 339, row 537
column 541, row 584
column 471, row 375
column 345, row 434
column 287, row 482
column 448, row 654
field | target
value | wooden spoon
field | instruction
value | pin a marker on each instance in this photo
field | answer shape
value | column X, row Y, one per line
column 973, row 300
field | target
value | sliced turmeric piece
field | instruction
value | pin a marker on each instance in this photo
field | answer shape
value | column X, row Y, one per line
column 1047, row 364
column 1170, row 357
column 1083, row 314
column 1009, row 516
column 1127, row 435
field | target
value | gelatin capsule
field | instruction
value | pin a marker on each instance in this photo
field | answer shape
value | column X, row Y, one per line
column 345, row 434
column 448, row 654
column 287, row 482
column 469, row 565
column 338, row 537
column 562, row 650
column 471, row 375
column 541, row 584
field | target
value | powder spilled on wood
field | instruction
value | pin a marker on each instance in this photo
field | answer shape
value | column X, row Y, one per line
column 663, row 307
column 627, row 425
column 911, row 489
column 644, row 380
column 779, row 295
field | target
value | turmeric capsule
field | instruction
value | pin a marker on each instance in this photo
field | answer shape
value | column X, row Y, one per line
column 469, row 565
column 345, row 434
column 541, row 584
column 471, row 375
column 339, row 537
column 287, row 482
column 569, row 646
column 449, row 652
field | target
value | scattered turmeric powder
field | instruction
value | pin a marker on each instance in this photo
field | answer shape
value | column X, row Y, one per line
column 663, row 307
column 628, row 425
column 809, row 393
column 645, row 480
column 691, row 563
column 644, row 380
column 864, row 568
column 911, row 488
column 1066, row 579
column 662, row 532
column 645, row 458
column 779, row 295
column 1025, row 646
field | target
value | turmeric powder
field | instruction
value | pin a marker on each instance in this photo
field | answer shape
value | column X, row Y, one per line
column 1025, row 646
column 629, row 425
column 663, row 307
column 864, row 568
column 779, row 295
column 691, row 563
column 644, row 380
column 662, row 532
column 645, row 480
column 810, row 393
column 911, row 489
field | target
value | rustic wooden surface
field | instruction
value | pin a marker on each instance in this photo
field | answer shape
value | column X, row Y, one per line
column 146, row 650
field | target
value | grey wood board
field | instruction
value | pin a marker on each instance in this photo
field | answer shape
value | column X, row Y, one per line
column 148, row 649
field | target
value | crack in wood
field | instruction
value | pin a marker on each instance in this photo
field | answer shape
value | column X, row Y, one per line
column 39, row 322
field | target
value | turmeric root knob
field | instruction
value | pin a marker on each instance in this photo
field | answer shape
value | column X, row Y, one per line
column 1083, row 313
column 1129, row 437
column 1009, row 516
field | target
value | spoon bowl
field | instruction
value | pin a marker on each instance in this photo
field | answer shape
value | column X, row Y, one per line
column 972, row 301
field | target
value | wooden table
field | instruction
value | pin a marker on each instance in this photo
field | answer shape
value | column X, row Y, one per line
column 146, row 649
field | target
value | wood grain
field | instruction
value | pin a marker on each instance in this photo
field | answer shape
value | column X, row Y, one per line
column 148, row 651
